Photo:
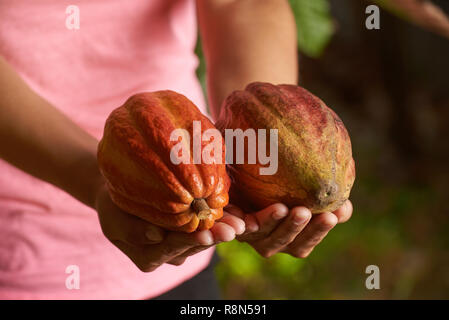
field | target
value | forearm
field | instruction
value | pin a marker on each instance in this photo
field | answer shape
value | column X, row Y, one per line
column 40, row 140
column 246, row 41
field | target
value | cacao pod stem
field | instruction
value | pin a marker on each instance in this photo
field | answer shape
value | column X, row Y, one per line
column 201, row 208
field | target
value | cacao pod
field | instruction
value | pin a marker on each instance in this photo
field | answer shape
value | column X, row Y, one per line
column 315, row 164
column 134, row 158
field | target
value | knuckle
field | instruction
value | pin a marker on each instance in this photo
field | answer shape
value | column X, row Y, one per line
column 261, row 234
column 280, row 242
column 265, row 253
column 177, row 251
column 323, row 227
column 302, row 254
column 170, row 251
column 316, row 239
column 177, row 262
column 165, row 251
column 249, row 237
column 292, row 228
column 130, row 238
column 241, row 239
column 171, row 248
column 147, row 267
column 144, row 268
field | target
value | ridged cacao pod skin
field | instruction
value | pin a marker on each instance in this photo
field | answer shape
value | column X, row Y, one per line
column 134, row 158
column 315, row 164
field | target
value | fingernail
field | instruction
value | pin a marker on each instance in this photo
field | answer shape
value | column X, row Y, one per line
column 240, row 226
column 208, row 240
column 300, row 217
column 153, row 236
column 253, row 227
column 277, row 215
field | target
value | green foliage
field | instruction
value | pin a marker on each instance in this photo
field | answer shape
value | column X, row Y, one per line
column 314, row 25
column 244, row 270
column 380, row 233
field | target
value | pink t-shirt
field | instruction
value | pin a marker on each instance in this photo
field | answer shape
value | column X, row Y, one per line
column 121, row 47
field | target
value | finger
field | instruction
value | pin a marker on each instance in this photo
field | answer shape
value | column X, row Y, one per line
column 314, row 232
column 222, row 232
column 267, row 220
column 179, row 260
column 344, row 212
column 148, row 258
column 251, row 224
column 270, row 217
column 249, row 220
column 251, row 228
column 197, row 238
column 119, row 225
column 176, row 243
column 234, row 210
column 133, row 230
column 285, row 233
column 233, row 221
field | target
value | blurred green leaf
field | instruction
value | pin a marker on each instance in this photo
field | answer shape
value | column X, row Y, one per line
column 285, row 265
column 244, row 262
column 314, row 25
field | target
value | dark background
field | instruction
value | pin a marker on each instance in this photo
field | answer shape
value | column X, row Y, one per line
column 390, row 87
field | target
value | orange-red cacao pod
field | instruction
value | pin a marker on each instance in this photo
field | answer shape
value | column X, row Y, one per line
column 134, row 158
column 315, row 164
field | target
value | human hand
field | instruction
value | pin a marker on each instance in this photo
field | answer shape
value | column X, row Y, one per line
column 277, row 229
column 149, row 246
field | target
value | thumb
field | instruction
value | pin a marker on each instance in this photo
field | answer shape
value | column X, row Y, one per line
column 131, row 229
column 154, row 234
column 137, row 231
column 119, row 225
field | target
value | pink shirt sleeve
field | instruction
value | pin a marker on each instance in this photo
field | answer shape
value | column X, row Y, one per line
column 121, row 47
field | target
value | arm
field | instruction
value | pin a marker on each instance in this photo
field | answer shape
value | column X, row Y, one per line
column 246, row 41
column 255, row 40
column 40, row 140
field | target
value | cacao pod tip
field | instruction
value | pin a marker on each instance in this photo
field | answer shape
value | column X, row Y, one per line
column 201, row 208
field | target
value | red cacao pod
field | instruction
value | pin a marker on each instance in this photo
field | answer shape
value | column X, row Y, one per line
column 134, row 158
column 315, row 164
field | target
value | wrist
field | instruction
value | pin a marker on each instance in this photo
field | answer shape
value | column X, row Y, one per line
column 84, row 181
column 97, row 186
column 94, row 185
